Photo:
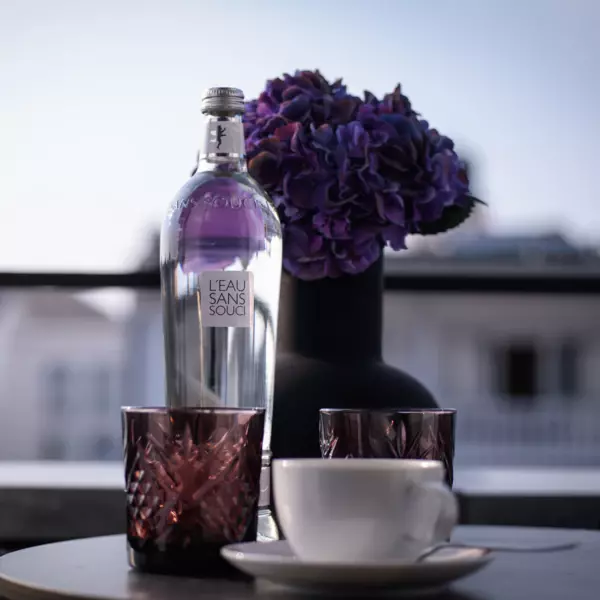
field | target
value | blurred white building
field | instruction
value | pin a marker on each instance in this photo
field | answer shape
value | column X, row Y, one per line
column 522, row 369
column 144, row 378
column 61, row 364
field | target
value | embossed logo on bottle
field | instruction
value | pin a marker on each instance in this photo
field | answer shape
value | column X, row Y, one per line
column 233, row 201
column 227, row 298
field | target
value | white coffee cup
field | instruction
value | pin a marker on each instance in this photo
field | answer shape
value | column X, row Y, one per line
column 361, row 510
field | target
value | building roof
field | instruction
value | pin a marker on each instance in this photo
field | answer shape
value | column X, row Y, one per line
column 547, row 253
column 59, row 305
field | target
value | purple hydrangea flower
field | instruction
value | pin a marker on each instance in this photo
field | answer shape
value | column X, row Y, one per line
column 348, row 175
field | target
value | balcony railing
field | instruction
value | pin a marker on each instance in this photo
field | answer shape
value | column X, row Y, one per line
column 426, row 281
column 561, row 433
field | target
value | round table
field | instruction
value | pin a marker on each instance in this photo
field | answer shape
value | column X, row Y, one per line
column 97, row 569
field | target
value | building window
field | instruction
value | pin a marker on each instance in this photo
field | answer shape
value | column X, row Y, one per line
column 101, row 390
column 57, row 390
column 103, row 448
column 517, row 369
column 521, row 370
column 568, row 369
column 53, row 449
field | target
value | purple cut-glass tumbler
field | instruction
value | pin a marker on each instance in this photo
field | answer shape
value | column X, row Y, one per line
column 389, row 433
column 192, row 484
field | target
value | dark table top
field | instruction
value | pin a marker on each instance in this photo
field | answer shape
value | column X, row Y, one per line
column 96, row 568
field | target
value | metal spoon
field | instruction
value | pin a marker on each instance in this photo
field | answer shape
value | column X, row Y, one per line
column 500, row 548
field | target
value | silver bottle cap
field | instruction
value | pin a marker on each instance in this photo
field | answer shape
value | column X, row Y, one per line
column 226, row 99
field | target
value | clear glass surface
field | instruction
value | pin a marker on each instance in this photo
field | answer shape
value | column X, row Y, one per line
column 220, row 221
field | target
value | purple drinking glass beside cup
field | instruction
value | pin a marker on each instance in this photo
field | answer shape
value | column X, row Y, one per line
column 389, row 433
column 192, row 480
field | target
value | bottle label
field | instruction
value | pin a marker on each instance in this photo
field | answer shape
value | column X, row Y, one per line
column 227, row 298
column 224, row 137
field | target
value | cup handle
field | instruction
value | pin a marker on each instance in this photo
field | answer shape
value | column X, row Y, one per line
column 448, row 514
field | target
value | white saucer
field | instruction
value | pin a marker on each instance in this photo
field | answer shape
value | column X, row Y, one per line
column 275, row 562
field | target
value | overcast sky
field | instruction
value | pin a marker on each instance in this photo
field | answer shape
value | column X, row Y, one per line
column 99, row 104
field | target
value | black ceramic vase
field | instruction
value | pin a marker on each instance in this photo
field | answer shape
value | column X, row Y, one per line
column 335, row 360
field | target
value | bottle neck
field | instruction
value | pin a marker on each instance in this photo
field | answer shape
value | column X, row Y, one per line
column 222, row 147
